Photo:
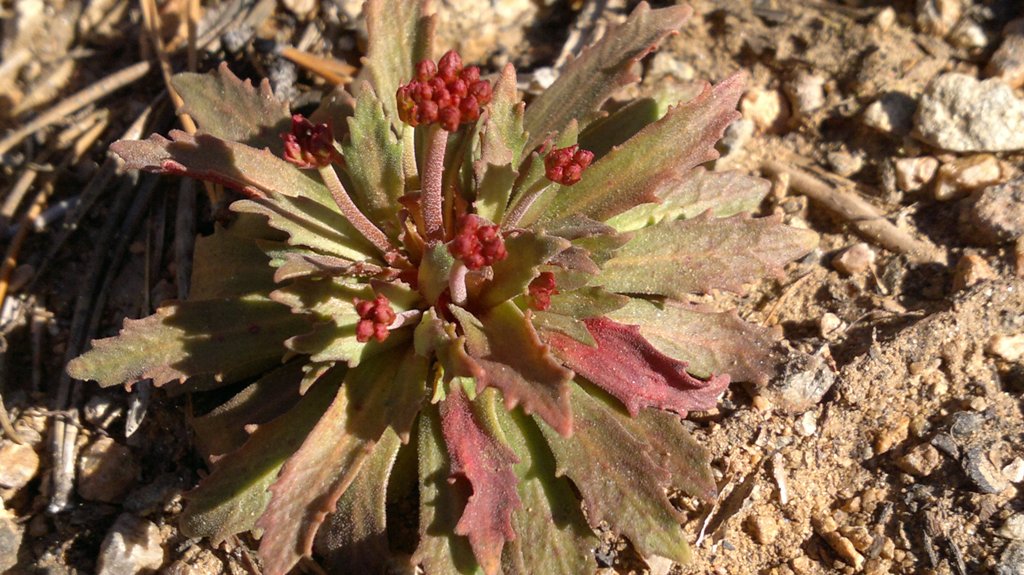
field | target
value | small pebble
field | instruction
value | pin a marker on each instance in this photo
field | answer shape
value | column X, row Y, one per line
column 1007, row 347
column 891, row 436
column 912, row 174
column 807, row 425
column 806, row 93
column 972, row 269
column 937, row 17
column 893, row 113
column 1014, row 471
column 1007, row 63
column 970, row 36
column 844, row 163
column 830, row 326
column 958, row 113
column 804, row 381
column 964, row 175
column 736, row 136
column 995, row 215
column 859, row 535
column 920, row 461
column 106, row 471
column 1013, row 528
column 763, row 529
column 844, row 548
column 885, row 19
column 768, row 109
column 854, row 260
column 131, row 546
column 18, row 465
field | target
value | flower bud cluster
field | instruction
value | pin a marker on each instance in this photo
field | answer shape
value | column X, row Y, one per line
column 375, row 316
column 477, row 245
column 540, row 291
column 565, row 165
column 447, row 94
column 308, row 145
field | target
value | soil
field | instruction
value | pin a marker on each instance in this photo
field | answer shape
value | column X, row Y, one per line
column 892, row 443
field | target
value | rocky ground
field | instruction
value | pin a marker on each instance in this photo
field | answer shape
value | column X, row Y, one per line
column 893, row 444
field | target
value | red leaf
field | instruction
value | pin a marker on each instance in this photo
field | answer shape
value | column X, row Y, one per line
column 488, row 466
column 627, row 366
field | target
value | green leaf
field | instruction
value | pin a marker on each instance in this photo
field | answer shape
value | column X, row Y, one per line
column 494, row 191
column 223, row 429
column 585, row 83
column 658, row 156
column 230, row 338
column 587, row 302
column 231, row 498
column 724, row 193
column 399, row 35
column 619, row 482
column 606, row 133
column 672, row 447
column 205, row 157
column 710, row 342
column 512, row 276
column 677, row 258
column 434, row 270
column 435, row 337
column 503, row 137
column 226, row 264
column 486, row 463
column 385, row 390
column 550, row 512
column 373, row 159
column 440, row 550
column 232, row 109
column 514, row 360
column 354, row 537
column 554, row 322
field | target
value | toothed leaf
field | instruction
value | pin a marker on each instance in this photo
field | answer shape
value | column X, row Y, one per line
column 586, row 82
column 373, row 159
column 226, row 264
column 513, row 275
column 696, row 256
column 400, row 34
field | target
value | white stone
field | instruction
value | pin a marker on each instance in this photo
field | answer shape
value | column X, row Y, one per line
column 912, row 174
column 956, row 112
column 1007, row 347
column 964, row 175
column 855, row 259
column 768, row 109
column 131, row 546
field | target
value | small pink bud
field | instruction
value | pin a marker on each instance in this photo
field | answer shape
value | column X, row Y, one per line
column 308, row 145
column 566, row 165
column 374, row 318
column 540, row 291
column 477, row 245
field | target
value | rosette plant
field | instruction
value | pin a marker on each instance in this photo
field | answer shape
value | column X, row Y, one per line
column 442, row 307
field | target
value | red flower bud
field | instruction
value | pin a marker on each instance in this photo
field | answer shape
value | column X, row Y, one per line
column 540, row 291
column 446, row 93
column 477, row 245
column 308, row 145
column 374, row 318
column 566, row 165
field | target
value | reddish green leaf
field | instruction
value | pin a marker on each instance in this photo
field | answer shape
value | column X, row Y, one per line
column 672, row 447
column 552, row 536
column 223, row 429
column 435, row 337
column 514, row 360
column 604, row 134
column 231, row 498
column 585, row 83
column 587, row 302
column 440, row 551
column 353, row 538
column 627, row 366
column 315, row 477
column 435, row 267
column 230, row 338
column 661, row 153
column 399, row 34
column 205, row 157
column 619, row 481
column 478, row 457
column 232, row 109
column 227, row 264
column 677, row 258
column 373, row 160
column 513, row 275
column 708, row 341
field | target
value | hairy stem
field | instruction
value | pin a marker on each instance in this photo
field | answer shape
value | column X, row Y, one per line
column 457, row 283
column 355, row 217
column 431, row 196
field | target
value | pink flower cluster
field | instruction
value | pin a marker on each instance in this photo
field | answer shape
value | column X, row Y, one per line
column 308, row 145
column 374, row 318
column 446, row 93
column 477, row 245
column 565, row 165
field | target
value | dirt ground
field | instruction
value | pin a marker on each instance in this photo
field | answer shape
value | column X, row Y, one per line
column 892, row 443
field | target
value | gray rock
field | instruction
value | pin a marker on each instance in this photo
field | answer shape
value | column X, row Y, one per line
column 805, row 380
column 964, row 424
column 1013, row 528
column 995, row 215
column 10, row 540
column 979, row 469
column 1008, row 61
column 956, row 112
column 132, row 546
column 947, row 445
column 1011, row 562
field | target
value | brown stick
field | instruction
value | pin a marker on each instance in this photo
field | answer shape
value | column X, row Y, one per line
column 864, row 217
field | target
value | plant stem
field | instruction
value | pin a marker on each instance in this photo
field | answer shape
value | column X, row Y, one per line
column 524, row 203
column 355, row 217
column 457, row 283
column 431, row 196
